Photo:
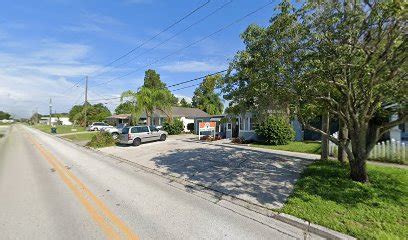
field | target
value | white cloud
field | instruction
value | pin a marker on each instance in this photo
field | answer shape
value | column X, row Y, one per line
column 49, row 69
column 192, row 66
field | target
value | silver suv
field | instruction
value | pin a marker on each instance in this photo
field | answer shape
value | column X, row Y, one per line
column 136, row 135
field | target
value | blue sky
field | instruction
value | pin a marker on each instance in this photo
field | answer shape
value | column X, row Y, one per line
column 47, row 46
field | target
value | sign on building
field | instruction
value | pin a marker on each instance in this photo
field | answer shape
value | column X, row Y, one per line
column 206, row 127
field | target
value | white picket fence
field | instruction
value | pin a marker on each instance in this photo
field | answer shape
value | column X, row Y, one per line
column 391, row 150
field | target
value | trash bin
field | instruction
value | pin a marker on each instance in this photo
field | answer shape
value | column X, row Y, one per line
column 53, row 130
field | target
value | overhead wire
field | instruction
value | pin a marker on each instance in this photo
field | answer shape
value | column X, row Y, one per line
column 155, row 36
column 189, row 45
column 168, row 39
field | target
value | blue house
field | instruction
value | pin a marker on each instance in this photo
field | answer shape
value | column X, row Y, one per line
column 241, row 126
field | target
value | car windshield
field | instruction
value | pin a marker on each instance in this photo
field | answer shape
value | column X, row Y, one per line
column 125, row 130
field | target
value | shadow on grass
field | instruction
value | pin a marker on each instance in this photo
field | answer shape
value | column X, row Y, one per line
column 330, row 181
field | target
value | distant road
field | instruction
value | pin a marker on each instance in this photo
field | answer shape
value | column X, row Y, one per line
column 52, row 189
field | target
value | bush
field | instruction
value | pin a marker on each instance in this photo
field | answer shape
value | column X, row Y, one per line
column 275, row 131
column 190, row 127
column 101, row 139
column 173, row 128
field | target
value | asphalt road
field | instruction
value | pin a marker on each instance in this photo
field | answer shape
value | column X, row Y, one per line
column 52, row 189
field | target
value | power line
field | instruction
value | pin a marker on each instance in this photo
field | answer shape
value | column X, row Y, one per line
column 168, row 39
column 186, row 87
column 191, row 44
column 199, row 78
column 155, row 36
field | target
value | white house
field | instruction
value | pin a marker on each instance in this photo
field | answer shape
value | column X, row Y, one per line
column 186, row 115
column 56, row 121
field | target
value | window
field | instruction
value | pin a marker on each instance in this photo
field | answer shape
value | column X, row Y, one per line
column 251, row 124
column 125, row 130
column 229, row 126
column 144, row 129
column 241, row 124
column 153, row 129
column 135, row 130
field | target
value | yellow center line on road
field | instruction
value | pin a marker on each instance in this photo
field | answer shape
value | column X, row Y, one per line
column 81, row 191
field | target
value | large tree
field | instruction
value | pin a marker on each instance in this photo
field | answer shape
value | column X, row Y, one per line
column 126, row 107
column 184, row 103
column 205, row 97
column 345, row 57
column 152, row 95
column 82, row 115
column 4, row 115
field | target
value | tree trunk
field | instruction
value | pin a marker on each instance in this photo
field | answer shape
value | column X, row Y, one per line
column 325, row 139
column 148, row 118
column 343, row 136
column 358, row 170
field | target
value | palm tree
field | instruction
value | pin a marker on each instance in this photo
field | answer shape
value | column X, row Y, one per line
column 148, row 100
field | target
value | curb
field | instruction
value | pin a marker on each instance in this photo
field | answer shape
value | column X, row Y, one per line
column 212, row 194
column 306, row 226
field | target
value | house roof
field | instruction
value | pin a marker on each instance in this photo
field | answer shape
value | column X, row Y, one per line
column 119, row 116
column 180, row 112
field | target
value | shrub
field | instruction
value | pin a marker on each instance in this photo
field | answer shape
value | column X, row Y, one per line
column 173, row 128
column 190, row 127
column 101, row 139
column 275, row 131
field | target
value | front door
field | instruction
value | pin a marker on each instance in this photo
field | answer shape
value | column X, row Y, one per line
column 235, row 129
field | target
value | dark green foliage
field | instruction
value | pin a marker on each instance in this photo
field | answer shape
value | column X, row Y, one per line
column 173, row 128
column 275, row 131
column 184, row 103
column 4, row 115
column 101, row 139
column 94, row 113
column 325, row 195
column 205, row 97
column 126, row 107
column 190, row 127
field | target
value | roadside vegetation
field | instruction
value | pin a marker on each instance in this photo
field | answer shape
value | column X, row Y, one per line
column 174, row 127
column 313, row 60
column 101, row 139
column 302, row 147
column 80, row 137
column 60, row 128
column 375, row 210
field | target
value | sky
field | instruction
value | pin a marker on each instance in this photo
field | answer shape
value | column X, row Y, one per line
column 48, row 47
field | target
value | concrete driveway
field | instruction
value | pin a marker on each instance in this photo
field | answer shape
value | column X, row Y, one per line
column 259, row 176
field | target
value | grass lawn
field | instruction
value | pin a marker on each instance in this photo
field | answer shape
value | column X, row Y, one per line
column 60, row 129
column 80, row 136
column 378, row 210
column 303, row 147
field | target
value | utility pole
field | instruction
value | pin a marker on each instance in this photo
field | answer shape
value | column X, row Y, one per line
column 49, row 122
column 86, row 99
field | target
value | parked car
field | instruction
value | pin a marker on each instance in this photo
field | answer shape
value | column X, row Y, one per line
column 97, row 126
column 136, row 135
column 115, row 131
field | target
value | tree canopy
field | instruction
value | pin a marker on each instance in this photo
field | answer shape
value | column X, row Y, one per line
column 126, row 107
column 184, row 103
column 93, row 113
column 205, row 97
column 348, row 58
column 4, row 115
column 152, row 95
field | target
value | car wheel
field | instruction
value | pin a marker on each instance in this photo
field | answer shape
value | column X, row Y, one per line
column 137, row 142
column 163, row 137
column 115, row 135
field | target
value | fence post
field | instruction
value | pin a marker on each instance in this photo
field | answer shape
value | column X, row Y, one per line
column 398, row 150
column 403, row 151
